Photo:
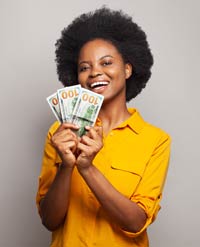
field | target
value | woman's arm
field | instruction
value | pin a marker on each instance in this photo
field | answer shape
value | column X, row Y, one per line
column 54, row 205
column 127, row 214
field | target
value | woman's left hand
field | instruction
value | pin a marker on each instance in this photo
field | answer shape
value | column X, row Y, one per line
column 89, row 146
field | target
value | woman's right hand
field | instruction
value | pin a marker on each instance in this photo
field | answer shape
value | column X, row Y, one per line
column 65, row 142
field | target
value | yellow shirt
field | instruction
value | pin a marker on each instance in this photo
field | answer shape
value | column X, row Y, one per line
column 134, row 159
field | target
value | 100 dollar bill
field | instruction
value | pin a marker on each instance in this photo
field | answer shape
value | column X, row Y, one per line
column 67, row 97
column 54, row 105
column 86, row 109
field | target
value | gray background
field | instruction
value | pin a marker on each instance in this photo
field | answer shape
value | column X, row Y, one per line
column 28, row 31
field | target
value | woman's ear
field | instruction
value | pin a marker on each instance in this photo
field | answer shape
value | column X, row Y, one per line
column 128, row 70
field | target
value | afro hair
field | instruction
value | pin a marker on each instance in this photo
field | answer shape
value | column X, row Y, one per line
column 115, row 27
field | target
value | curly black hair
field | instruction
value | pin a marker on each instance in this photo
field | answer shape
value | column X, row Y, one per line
column 115, row 27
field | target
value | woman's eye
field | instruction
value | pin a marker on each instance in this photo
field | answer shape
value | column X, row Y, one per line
column 84, row 68
column 107, row 63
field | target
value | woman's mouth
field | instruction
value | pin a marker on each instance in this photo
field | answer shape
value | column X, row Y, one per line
column 98, row 84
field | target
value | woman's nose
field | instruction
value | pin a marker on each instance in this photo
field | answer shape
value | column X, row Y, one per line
column 95, row 71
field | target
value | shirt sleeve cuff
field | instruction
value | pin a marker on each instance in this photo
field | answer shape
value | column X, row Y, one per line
column 150, row 218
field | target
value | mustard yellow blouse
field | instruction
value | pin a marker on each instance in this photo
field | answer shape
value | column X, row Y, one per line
column 134, row 159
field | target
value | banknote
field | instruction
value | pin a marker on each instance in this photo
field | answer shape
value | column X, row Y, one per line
column 55, row 106
column 86, row 109
column 67, row 97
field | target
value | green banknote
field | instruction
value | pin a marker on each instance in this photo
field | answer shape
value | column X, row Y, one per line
column 77, row 105
column 86, row 109
column 55, row 106
column 67, row 97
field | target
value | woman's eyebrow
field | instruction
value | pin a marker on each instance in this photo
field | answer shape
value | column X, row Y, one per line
column 105, row 57
column 84, row 61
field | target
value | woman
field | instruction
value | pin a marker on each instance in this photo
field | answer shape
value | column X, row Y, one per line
column 104, row 188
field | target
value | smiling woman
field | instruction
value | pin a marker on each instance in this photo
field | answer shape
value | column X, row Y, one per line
column 103, row 189
column 114, row 27
column 101, row 69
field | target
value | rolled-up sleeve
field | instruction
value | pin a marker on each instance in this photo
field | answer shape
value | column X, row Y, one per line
column 149, row 191
column 49, row 166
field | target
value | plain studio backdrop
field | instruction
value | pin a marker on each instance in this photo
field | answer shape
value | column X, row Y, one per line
column 29, row 30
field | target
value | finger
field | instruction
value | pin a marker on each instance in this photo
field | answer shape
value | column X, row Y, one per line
column 68, row 147
column 99, row 130
column 71, row 146
column 90, row 144
column 95, row 132
column 67, row 134
column 67, row 126
column 87, row 150
column 87, row 140
column 91, row 132
column 63, row 137
column 82, row 148
column 62, row 131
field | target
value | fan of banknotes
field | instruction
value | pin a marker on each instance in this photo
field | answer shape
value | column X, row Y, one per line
column 76, row 105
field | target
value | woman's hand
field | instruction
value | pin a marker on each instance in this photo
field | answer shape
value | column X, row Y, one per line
column 65, row 142
column 89, row 146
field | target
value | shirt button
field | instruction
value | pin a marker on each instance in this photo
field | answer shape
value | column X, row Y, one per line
column 111, row 133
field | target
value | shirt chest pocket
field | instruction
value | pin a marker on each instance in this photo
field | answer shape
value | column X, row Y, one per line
column 124, row 178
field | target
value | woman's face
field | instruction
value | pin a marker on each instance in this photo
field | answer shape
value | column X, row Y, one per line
column 102, row 70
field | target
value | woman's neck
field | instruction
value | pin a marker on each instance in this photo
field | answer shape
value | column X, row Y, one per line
column 112, row 115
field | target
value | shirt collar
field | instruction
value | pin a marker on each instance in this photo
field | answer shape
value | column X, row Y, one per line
column 135, row 121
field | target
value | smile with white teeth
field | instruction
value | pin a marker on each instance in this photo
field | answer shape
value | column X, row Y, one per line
column 99, row 84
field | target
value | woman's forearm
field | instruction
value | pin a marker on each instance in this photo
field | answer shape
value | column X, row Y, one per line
column 54, row 205
column 127, row 214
